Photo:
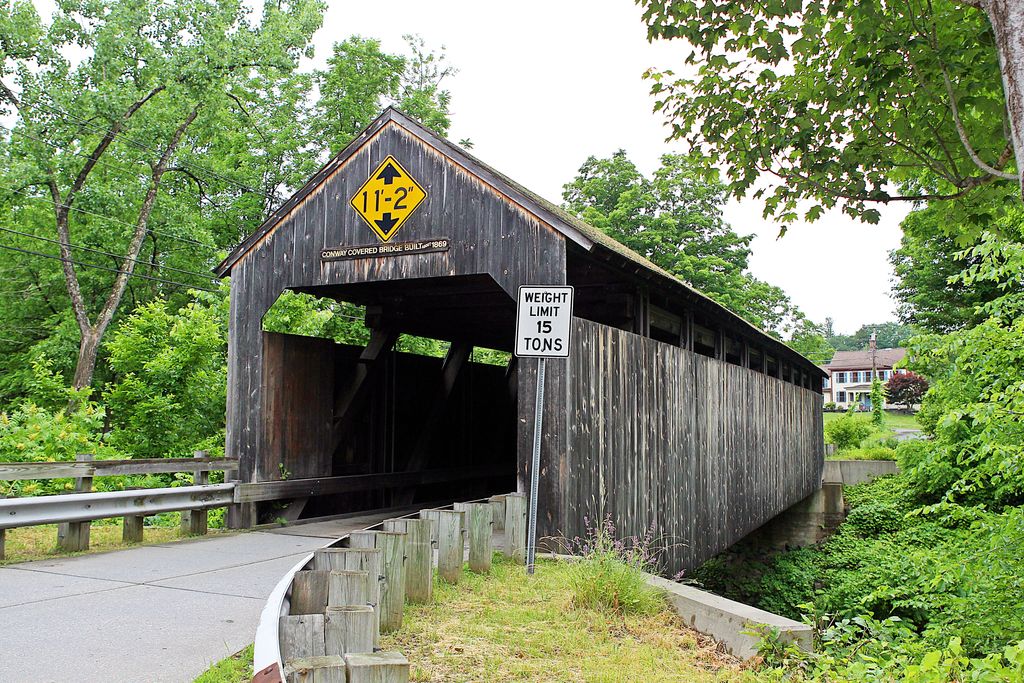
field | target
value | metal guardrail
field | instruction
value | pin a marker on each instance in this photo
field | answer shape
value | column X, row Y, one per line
column 85, row 507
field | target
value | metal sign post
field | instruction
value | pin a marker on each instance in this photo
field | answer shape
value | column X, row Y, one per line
column 543, row 323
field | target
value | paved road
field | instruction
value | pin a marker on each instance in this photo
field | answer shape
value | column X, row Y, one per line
column 153, row 613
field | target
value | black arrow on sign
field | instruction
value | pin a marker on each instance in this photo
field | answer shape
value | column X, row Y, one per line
column 388, row 174
column 386, row 222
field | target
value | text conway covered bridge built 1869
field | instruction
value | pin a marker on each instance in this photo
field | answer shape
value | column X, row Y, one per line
column 670, row 411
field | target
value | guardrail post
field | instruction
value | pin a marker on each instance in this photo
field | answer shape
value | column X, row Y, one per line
column 195, row 522
column 74, row 536
column 480, row 543
column 515, row 527
column 132, row 531
column 3, row 536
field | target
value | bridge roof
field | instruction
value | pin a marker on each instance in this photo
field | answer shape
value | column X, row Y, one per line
column 582, row 234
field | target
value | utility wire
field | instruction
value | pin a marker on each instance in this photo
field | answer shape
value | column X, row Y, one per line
column 101, row 216
column 107, row 253
column 116, row 166
column 174, row 283
column 142, row 146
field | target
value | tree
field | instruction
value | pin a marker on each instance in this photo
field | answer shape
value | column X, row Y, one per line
column 848, row 104
column 361, row 79
column 906, row 389
column 675, row 220
column 930, row 255
column 809, row 340
column 888, row 335
column 877, row 402
column 159, row 83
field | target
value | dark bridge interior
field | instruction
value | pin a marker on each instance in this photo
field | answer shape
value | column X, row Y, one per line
column 438, row 428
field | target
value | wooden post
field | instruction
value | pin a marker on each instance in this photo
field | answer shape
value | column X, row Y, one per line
column 377, row 667
column 498, row 510
column 419, row 557
column 348, row 587
column 74, row 536
column 301, row 635
column 349, row 629
column 515, row 527
column 309, row 592
column 362, row 539
column 195, row 522
column 392, row 598
column 327, row 669
column 356, row 559
column 132, row 529
column 480, row 544
column 431, row 516
column 450, row 547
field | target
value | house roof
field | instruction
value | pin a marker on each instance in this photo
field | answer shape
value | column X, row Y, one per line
column 861, row 360
column 581, row 233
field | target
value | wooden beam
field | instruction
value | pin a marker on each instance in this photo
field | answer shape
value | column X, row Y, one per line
column 15, row 471
column 381, row 341
column 296, row 488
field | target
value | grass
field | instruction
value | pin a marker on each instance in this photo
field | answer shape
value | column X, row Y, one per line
column 510, row 627
column 40, row 542
column 893, row 420
column 234, row 669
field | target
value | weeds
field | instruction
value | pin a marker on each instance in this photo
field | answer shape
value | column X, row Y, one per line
column 610, row 572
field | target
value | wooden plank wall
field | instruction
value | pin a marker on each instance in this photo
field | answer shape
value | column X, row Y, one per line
column 700, row 450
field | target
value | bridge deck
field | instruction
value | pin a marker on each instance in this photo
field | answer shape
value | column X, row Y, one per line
column 153, row 613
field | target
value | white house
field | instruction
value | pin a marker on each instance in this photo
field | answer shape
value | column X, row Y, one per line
column 849, row 375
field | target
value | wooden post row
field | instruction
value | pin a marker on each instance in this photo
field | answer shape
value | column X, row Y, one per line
column 515, row 527
column 419, row 557
column 498, row 508
column 74, row 536
column 480, row 544
column 450, row 547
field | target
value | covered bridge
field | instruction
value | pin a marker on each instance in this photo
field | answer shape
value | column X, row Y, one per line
column 670, row 412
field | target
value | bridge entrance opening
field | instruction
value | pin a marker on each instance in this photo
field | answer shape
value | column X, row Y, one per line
column 423, row 412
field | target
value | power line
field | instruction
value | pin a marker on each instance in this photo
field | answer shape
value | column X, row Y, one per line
column 101, row 216
column 106, row 253
column 109, row 270
column 144, row 147
column 116, row 166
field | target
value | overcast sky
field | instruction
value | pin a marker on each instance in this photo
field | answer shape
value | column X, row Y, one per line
column 543, row 85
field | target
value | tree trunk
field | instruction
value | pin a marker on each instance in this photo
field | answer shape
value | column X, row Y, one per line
column 1007, row 19
column 88, row 349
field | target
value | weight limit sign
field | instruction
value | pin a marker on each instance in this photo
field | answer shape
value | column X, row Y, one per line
column 543, row 321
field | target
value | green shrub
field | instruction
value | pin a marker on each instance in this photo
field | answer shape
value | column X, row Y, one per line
column 610, row 573
column 830, row 407
column 875, row 519
column 847, row 431
column 870, row 453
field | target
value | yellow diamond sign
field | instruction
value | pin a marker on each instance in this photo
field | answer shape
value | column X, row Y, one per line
column 387, row 198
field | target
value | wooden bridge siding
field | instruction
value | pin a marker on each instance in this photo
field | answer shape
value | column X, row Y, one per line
column 489, row 236
column 703, row 450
